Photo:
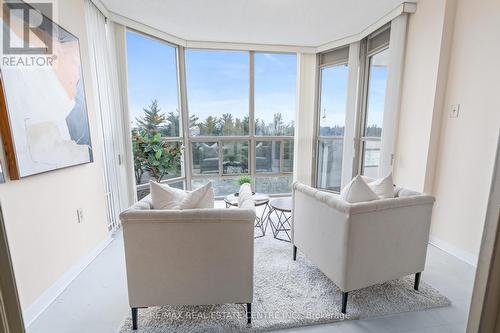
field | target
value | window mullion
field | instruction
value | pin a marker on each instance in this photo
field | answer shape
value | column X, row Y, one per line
column 252, row 167
column 181, row 69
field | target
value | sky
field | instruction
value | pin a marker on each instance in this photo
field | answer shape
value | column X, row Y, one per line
column 218, row 82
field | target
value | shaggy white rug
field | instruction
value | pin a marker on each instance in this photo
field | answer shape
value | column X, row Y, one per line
column 288, row 294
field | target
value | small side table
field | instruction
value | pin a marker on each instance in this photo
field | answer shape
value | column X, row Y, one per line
column 282, row 209
column 259, row 199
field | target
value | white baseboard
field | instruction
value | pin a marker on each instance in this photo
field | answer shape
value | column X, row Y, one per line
column 465, row 256
column 49, row 295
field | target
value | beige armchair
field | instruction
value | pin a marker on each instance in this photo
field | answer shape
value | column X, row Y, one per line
column 189, row 257
column 362, row 244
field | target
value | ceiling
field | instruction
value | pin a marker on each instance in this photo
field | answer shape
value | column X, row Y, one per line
column 278, row 22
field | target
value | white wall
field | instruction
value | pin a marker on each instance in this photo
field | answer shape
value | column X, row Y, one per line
column 305, row 115
column 451, row 59
column 40, row 211
column 467, row 144
column 420, row 77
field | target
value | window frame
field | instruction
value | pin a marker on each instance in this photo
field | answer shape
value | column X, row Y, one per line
column 375, row 43
column 343, row 60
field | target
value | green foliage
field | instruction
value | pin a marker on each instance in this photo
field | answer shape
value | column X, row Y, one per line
column 153, row 121
column 154, row 156
column 244, row 180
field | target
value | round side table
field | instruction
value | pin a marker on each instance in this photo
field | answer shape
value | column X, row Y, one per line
column 282, row 209
column 259, row 199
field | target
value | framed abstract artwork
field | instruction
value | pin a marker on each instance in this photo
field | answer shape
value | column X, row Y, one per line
column 43, row 112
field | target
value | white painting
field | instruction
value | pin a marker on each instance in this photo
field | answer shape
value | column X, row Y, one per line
column 46, row 105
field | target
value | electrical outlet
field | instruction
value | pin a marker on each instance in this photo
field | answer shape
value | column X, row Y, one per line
column 79, row 214
column 455, row 109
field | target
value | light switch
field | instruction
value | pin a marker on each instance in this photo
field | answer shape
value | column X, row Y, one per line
column 455, row 109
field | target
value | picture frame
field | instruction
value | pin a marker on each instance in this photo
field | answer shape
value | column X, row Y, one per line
column 44, row 120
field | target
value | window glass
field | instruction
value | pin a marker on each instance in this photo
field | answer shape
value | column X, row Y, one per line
column 205, row 158
column 218, row 92
column 274, row 184
column 152, row 84
column 287, row 156
column 235, row 157
column 222, row 186
column 330, row 164
column 376, row 94
column 275, row 90
column 154, row 109
column 267, row 156
column 371, row 158
column 334, row 82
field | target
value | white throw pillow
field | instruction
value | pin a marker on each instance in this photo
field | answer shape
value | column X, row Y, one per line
column 383, row 187
column 357, row 191
column 202, row 197
column 164, row 196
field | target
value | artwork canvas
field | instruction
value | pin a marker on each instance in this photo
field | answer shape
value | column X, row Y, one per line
column 45, row 105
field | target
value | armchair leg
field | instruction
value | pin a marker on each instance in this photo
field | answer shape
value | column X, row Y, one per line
column 249, row 313
column 417, row 280
column 134, row 318
column 344, row 301
column 294, row 253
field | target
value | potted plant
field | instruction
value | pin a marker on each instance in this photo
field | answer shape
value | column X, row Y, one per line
column 243, row 180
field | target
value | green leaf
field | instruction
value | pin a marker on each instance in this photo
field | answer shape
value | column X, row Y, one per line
column 158, row 154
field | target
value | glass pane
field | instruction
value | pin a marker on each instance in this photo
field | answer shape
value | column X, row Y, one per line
column 222, row 186
column 141, row 193
column 330, row 165
column 275, row 90
column 287, row 156
column 376, row 94
column 235, row 157
column 274, row 184
column 155, row 159
column 267, row 156
column 205, row 157
column 152, row 85
column 333, row 100
column 217, row 90
column 371, row 158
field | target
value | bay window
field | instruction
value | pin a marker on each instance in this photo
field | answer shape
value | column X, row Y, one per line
column 238, row 114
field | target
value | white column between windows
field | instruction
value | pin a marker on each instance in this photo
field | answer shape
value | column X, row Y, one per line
column 393, row 93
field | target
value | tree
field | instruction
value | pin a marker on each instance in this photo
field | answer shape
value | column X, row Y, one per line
column 172, row 127
column 210, row 126
column 228, row 124
column 278, row 124
column 153, row 121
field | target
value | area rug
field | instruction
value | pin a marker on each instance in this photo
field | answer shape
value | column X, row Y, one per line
column 288, row 294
